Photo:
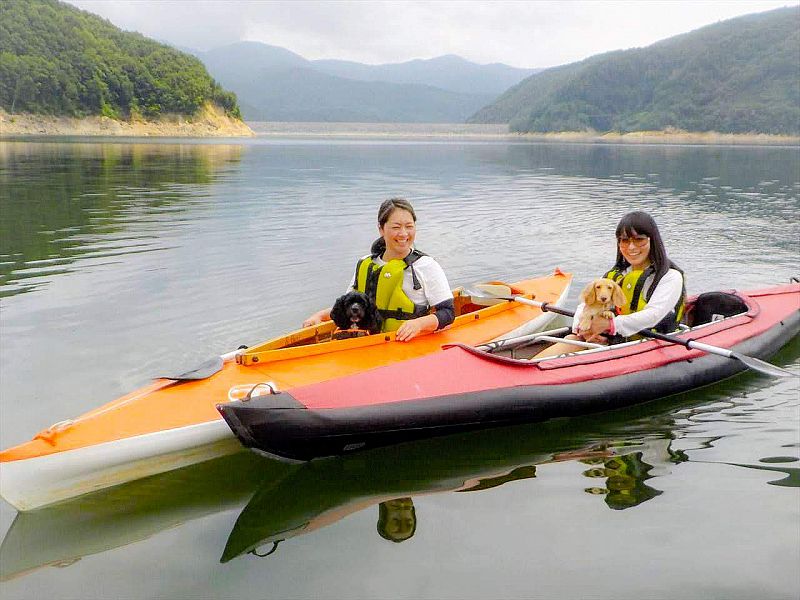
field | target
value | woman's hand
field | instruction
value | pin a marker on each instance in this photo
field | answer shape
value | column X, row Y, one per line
column 318, row 317
column 411, row 329
column 599, row 326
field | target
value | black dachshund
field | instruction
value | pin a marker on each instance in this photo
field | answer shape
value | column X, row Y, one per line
column 356, row 311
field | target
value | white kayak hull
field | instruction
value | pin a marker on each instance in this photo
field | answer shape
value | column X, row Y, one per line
column 36, row 482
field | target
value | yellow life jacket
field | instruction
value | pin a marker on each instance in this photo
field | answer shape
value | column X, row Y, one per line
column 632, row 284
column 384, row 284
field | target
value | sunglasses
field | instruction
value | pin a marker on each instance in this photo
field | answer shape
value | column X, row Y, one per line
column 637, row 240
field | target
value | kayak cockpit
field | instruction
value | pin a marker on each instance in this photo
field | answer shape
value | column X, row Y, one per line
column 703, row 311
column 322, row 338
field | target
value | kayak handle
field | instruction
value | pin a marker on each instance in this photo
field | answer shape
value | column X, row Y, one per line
column 255, row 552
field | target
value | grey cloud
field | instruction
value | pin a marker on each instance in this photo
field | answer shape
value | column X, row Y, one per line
column 524, row 34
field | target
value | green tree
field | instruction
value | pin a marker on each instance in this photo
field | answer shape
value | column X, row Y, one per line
column 56, row 59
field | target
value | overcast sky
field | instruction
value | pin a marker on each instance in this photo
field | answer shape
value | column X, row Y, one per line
column 519, row 33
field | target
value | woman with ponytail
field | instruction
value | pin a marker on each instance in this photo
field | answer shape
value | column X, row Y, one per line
column 409, row 287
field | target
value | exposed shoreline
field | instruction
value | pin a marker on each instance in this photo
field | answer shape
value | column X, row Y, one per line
column 500, row 132
column 210, row 121
column 213, row 123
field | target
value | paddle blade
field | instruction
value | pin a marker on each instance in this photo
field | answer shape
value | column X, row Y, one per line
column 488, row 294
column 206, row 369
column 762, row 366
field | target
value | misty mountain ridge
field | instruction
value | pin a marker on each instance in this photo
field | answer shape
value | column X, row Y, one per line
column 276, row 84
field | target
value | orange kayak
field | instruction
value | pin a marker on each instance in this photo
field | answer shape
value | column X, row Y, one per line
column 172, row 423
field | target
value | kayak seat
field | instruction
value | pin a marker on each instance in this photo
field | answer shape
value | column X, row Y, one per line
column 346, row 334
column 714, row 306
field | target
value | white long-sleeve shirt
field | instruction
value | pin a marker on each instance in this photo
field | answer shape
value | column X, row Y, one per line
column 663, row 300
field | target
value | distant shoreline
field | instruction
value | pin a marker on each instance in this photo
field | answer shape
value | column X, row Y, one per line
column 210, row 121
column 500, row 132
column 214, row 124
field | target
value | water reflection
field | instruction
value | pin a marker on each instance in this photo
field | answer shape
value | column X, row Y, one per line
column 322, row 492
column 62, row 534
column 625, row 478
column 63, row 202
column 397, row 519
column 622, row 454
column 626, row 449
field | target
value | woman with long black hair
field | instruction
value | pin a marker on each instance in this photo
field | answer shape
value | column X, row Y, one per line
column 653, row 286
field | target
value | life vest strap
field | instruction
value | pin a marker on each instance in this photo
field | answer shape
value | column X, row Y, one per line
column 401, row 315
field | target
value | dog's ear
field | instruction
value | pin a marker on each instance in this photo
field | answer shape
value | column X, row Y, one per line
column 588, row 296
column 373, row 314
column 618, row 297
column 369, row 304
column 337, row 313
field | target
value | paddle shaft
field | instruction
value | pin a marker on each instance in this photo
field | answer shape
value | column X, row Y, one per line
column 545, row 306
column 750, row 362
column 644, row 333
column 687, row 343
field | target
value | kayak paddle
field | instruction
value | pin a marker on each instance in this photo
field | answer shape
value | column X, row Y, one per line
column 503, row 292
column 205, row 370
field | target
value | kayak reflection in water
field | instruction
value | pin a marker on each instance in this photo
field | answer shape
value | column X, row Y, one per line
column 626, row 474
column 397, row 519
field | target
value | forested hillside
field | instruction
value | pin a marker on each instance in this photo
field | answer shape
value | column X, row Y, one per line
column 737, row 76
column 58, row 60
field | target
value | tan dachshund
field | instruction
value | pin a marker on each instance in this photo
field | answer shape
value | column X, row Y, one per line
column 600, row 297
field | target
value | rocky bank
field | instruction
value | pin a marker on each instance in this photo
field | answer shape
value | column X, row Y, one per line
column 210, row 121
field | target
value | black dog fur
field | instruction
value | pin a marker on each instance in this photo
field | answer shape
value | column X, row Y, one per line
column 355, row 310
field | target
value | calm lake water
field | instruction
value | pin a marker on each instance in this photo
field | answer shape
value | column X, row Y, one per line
column 122, row 260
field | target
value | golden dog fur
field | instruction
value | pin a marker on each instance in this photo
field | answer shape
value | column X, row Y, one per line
column 600, row 297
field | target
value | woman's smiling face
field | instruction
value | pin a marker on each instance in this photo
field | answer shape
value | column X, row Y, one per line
column 635, row 248
column 398, row 232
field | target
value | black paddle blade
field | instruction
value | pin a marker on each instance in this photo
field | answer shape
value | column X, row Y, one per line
column 762, row 366
column 206, row 369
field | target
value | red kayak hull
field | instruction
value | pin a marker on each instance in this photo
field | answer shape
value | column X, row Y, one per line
column 464, row 388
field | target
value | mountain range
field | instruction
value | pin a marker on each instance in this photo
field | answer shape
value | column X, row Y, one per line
column 737, row 76
column 276, row 84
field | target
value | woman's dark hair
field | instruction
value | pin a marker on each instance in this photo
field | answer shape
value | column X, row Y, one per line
column 384, row 212
column 383, row 521
column 641, row 223
column 389, row 206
